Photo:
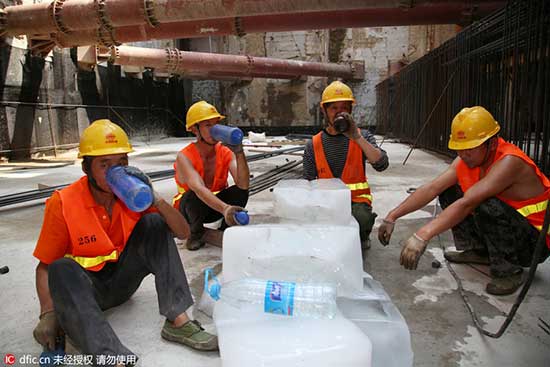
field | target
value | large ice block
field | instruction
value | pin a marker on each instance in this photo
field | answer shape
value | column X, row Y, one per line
column 374, row 313
column 317, row 201
column 296, row 253
column 250, row 339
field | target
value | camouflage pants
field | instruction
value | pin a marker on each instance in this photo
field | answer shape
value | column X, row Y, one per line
column 362, row 212
column 498, row 230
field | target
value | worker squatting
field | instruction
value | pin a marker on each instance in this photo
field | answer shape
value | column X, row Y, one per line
column 493, row 198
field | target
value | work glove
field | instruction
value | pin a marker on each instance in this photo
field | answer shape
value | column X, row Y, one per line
column 412, row 249
column 385, row 231
column 136, row 172
column 229, row 214
column 47, row 330
column 352, row 132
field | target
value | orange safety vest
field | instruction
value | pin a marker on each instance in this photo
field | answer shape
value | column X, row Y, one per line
column 224, row 155
column 354, row 170
column 532, row 209
column 91, row 247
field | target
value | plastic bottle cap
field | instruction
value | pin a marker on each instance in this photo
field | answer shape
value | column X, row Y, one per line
column 215, row 290
column 242, row 218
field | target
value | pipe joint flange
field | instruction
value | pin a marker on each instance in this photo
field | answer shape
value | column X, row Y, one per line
column 114, row 55
column 149, row 8
column 250, row 63
column 239, row 29
column 103, row 17
column 57, row 15
column 172, row 59
column 105, row 37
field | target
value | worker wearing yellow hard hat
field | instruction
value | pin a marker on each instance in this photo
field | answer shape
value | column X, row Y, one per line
column 493, row 198
column 94, row 252
column 340, row 150
column 201, row 172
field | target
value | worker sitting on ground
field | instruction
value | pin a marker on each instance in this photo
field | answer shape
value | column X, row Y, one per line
column 493, row 197
column 201, row 175
column 94, row 252
column 342, row 152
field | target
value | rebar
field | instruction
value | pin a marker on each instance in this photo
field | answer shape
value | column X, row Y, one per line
column 501, row 62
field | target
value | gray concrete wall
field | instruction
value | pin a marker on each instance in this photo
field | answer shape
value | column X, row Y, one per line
column 275, row 102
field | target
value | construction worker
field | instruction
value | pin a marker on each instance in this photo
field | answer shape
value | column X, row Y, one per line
column 201, row 175
column 342, row 154
column 94, row 252
column 493, row 197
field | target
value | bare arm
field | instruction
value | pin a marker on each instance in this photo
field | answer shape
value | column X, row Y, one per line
column 373, row 154
column 239, row 170
column 42, row 288
column 187, row 173
column 175, row 220
column 499, row 178
column 424, row 194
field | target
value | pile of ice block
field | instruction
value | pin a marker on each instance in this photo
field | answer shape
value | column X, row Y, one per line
column 316, row 240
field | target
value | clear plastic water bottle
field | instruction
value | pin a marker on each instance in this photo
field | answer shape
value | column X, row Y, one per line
column 136, row 194
column 313, row 300
column 242, row 218
column 227, row 134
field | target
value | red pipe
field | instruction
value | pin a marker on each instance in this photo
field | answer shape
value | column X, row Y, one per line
column 67, row 15
column 180, row 62
column 422, row 14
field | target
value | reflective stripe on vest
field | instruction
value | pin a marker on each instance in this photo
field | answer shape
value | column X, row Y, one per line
column 353, row 174
column 90, row 262
column 223, row 160
column 531, row 209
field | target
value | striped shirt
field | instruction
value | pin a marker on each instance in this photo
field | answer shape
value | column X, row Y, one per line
column 336, row 152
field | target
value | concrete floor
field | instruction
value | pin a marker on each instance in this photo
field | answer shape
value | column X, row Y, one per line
column 442, row 331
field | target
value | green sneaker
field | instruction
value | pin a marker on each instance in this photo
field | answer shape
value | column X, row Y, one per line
column 191, row 334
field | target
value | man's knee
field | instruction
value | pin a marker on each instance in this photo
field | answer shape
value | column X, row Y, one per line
column 63, row 271
column 492, row 208
column 450, row 195
column 62, row 268
column 151, row 222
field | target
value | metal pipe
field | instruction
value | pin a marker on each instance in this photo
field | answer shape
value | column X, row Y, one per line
column 422, row 14
column 180, row 62
column 65, row 16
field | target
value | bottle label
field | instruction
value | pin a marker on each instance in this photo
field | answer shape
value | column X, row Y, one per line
column 279, row 298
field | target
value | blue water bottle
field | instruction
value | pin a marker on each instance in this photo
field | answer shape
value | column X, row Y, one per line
column 227, row 134
column 242, row 218
column 136, row 194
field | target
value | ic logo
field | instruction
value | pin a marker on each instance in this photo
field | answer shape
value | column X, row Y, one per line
column 9, row 359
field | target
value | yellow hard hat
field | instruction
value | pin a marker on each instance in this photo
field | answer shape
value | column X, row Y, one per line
column 201, row 111
column 335, row 92
column 103, row 137
column 471, row 127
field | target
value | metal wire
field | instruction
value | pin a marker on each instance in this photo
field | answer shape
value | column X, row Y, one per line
column 540, row 244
